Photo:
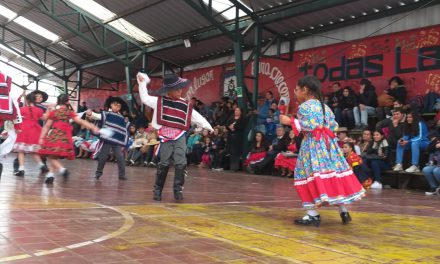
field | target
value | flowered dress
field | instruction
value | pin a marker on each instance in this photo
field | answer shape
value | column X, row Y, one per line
column 58, row 141
column 30, row 130
column 289, row 163
column 322, row 175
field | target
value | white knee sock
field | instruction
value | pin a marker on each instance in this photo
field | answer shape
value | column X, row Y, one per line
column 312, row 212
column 342, row 209
column 49, row 175
column 41, row 164
column 62, row 170
column 20, row 168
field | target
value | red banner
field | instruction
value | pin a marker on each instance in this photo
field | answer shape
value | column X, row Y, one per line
column 413, row 55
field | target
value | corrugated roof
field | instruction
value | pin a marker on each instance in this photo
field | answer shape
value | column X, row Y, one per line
column 169, row 20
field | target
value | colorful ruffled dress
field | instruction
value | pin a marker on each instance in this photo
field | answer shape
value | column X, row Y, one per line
column 30, row 130
column 322, row 175
column 281, row 161
column 58, row 141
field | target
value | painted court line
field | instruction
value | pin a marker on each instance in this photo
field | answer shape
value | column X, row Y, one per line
column 128, row 223
column 201, row 215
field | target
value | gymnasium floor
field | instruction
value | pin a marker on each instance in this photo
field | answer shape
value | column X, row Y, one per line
column 225, row 218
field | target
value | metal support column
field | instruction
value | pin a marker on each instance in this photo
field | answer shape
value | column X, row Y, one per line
column 239, row 69
column 257, row 53
column 129, row 88
column 65, row 85
column 79, row 86
column 36, row 84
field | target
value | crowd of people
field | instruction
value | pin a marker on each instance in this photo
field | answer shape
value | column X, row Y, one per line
column 396, row 129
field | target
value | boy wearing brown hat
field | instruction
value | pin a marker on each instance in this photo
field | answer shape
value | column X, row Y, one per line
column 172, row 117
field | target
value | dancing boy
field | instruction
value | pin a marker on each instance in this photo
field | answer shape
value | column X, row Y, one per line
column 172, row 118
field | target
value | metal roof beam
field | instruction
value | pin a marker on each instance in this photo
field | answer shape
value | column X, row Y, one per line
column 206, row 12
column 99, row 30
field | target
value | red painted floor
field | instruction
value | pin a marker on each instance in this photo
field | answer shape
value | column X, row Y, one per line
column 225, row 218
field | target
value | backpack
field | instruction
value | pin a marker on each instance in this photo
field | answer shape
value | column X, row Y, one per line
column 417, row 103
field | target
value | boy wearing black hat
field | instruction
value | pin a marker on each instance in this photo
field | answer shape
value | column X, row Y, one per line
column 172, row 118
column 114, row 121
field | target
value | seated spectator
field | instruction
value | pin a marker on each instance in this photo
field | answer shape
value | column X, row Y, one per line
column 377, row 158
column 286, row 161
column 393, row 127
column 197, row 148
column 278, row 145
column 334, row 101
column 207, row 154
column 148, row 151
column 367, row 137
column 415, row 138
column 258, row 151
column 221, row 153
column 194, row 138
column 395, row 91
column 367, row 104
column 357, row 165
column 347, row 103
column 342, row 136
column 140, row 140
column 432, row 169
column 85, row 142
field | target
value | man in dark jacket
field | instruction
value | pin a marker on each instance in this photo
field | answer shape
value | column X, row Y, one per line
column 279, row 144
column 334, row 101
column 394, row 125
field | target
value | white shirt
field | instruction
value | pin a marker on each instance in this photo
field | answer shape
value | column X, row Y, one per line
column 151, row 101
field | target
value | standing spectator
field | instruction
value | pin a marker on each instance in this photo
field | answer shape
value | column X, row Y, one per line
column 367, row 104
column 208, row 151
column 263, row 112
column 415, row 138
column 347, row 103
column 236, row 126
column 334, row 100
column 377, row 158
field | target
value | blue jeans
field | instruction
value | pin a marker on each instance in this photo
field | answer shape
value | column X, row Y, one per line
column 377, row 166
column 432, row 175
column 361, row 116
column 415, row 146
column 338, row 115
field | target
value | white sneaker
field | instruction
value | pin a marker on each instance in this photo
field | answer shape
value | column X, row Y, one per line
column 413, row 169
column 398, row 167
column 430, row 193
column 376, row 185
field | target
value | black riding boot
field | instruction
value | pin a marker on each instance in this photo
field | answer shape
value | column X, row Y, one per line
column 179, row 180
column 15, row 165
column 161, row 176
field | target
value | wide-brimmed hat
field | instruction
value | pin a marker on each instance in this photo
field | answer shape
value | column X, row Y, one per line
column 342, row 129
column 112, row 99
column 43, row 94
column 152, row 142
column 172, row 82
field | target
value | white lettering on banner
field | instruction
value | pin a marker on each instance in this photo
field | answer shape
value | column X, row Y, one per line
column 276, row 76
column 199, row 82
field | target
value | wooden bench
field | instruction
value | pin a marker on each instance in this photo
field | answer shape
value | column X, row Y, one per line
column 405, row 178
